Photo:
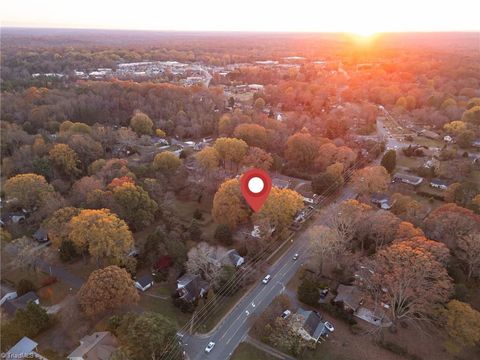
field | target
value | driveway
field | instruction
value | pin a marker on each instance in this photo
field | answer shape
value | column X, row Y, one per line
column 61, row 273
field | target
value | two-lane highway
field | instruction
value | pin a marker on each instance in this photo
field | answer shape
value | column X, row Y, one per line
column 238, row 322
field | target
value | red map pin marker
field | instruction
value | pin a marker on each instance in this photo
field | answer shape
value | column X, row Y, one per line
column 256, row 185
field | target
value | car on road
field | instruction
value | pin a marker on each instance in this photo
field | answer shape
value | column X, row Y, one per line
column 329, row 326
column 295, row 257
column 266, row 279
column 286, row 314
column 209, row 347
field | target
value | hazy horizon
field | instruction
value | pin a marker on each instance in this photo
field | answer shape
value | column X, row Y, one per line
column 345, row 16
column 233, row 31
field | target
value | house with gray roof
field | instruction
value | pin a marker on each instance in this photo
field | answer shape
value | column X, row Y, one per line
column 382, row 200
column 407, row 179
column 350, row 296
column 191, row 287
column 98, row 346
column 21, row 302
column 311, row 328
column 233, row 258
column 144, row 282
column 280, row 183
column 26, row 348
column 439, row 184
column 41, row 235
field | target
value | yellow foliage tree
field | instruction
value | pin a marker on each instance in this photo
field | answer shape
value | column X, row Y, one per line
column 208, row 158
column 65, row 158
column 142, row 124
column 166, row 162
column 231, row 150
column 280, row 208
column 160, row 133
column 252, row 134
column 29, row 190
column 463, row 326
column 229, row 207
column 455, row 127
column 102, row 233
column 57, row 225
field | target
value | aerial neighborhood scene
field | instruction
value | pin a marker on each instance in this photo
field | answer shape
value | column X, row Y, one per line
column 258, row 180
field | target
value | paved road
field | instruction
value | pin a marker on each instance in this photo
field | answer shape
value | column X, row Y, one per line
column 61, row 273
column 236, row 325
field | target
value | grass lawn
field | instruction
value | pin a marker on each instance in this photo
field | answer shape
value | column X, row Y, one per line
column 246, row 351
column 53, row 294
column 160, row 289
column 409, row 162
column 164, row 307
column 420, row 140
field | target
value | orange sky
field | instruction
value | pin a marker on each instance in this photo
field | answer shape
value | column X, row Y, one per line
column 359, row 16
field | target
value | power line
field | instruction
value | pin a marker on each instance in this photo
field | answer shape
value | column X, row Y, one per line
column 211, row 306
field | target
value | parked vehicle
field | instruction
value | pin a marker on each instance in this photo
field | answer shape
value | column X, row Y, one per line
column 286, row 314
column 329, row 326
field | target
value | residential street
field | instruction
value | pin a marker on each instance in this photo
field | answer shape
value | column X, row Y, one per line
column 236, row 325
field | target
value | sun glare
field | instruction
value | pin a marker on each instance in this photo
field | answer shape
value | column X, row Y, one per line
column 365, row 33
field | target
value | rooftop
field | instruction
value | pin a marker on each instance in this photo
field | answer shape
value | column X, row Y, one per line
column 145, row 280
column 11, row 306
column 24, row 347
column 98, row 346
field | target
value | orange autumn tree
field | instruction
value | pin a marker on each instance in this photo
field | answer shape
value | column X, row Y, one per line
column 105, row 289
column 406, row 230
column 450, row 222
column 120, row 181
column 370, row 179
column 439, row 250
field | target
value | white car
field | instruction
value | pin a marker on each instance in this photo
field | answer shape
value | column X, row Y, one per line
column 295, row 257
column 209, row 347
column 266, row 279
column 329, row 326
column 286, row 314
